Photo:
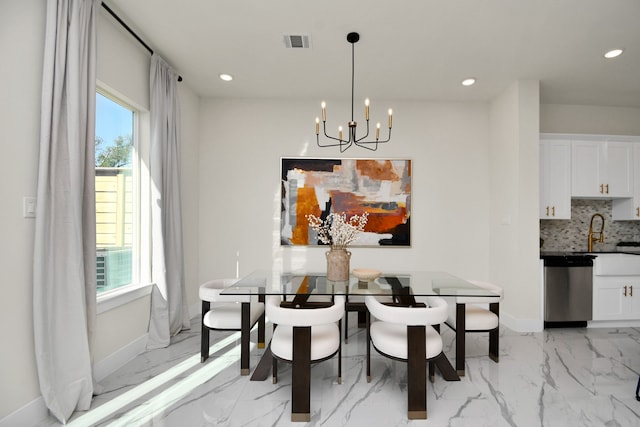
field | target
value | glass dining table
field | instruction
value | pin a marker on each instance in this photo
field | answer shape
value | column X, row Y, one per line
column 306, row 289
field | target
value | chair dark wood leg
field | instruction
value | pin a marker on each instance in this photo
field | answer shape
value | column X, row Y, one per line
column 340, row 353
column 274, row 378
column 494, row 335
column 301, row 374
column 261, row 331
column 204, row 333
column 346, row 324
column 460, row 338
column 368, row 347
column 417, row 373
column 244, row 338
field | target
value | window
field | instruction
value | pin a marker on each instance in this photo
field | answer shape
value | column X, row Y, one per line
column 115, row 177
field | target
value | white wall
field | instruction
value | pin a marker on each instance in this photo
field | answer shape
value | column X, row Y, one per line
column 514, row 203
column 21, row 44
column 555, row 118
column 242, row 142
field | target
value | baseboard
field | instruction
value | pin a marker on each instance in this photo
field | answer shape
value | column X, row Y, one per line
column 35, row 412
column 195, row 309
column 32, row 414
column 613, row 324
column 118, row 359
column 521, row 325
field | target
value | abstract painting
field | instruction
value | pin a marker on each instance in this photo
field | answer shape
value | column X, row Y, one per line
column 380, row 187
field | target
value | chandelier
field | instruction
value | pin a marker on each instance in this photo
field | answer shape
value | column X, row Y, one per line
column 352, row 138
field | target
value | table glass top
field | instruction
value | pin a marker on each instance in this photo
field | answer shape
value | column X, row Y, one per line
column 418, row 283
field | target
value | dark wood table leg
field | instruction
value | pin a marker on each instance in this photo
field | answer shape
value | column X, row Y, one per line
column 446, row 368
column 460, row 338
column 301, row 375
column 417, row 373
column 245, row 331
column 263, row 368
column 494, row 335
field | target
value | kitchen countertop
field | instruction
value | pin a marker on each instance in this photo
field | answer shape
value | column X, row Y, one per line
column 592, row 255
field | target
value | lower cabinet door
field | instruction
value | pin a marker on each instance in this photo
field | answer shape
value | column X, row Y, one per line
column 616, row 298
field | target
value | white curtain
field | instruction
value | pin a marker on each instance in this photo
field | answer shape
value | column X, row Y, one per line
column 169, row 311
column 64, row 269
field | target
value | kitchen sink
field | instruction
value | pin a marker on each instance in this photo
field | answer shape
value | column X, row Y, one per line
column 615, row 264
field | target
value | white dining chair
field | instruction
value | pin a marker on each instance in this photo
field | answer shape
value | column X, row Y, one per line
column 224, row 312
column 312, row 335
column 477, row 318
column 407, row 334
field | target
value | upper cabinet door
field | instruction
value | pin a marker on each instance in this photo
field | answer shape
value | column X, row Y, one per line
column 629, row 209
column 555, row 179
column 620, row 168
column 601, row 169
column 588, row 159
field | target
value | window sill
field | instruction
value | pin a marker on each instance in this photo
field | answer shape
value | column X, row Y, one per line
column 112, row 299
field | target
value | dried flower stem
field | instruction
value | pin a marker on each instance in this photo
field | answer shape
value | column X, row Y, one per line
column 336, row 230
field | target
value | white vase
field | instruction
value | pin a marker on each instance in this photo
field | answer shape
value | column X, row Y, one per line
column 338, row 261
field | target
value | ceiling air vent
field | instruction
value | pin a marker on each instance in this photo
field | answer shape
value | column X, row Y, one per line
column 296, row 41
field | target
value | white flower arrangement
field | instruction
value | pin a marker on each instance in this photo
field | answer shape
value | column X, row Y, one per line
column 336, row 230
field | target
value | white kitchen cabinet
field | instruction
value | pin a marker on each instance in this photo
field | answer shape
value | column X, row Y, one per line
column 555, row 179
column 629, row 209
column 616, row 287
column 601, row 167
column 616, row 297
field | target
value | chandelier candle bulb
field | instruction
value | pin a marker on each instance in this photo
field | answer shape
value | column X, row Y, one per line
column 366, row 109
column 339, row 132
column 390, row 117
column 317, row 126
column 324, row 111
column 377, row 131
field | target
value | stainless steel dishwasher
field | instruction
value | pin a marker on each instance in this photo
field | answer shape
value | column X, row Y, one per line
column 568, row 290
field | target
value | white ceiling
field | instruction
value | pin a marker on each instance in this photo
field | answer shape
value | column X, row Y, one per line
column 410, row 49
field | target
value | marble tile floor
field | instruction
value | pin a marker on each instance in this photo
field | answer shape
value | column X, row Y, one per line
column 558, row 377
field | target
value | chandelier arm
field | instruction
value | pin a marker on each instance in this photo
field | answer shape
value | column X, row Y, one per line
column 342, row 144
column 324, row 129
column 365, row 135
column 360, row 143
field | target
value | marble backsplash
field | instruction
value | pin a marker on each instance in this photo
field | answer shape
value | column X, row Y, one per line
column 571, row 235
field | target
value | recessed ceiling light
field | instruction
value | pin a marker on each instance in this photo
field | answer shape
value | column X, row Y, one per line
column 468, row 82
column 613, row 53
column 226, row 77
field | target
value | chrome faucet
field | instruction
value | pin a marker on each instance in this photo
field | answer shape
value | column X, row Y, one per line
column 600, row 233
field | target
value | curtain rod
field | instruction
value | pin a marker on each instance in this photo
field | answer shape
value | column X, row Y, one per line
column 126, row 27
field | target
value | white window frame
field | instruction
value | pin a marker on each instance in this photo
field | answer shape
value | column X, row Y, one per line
column 141, row 265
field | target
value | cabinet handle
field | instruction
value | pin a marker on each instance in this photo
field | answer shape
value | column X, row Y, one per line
column 601, row 188
column 553, row 211
column 631, row 290
column 548, row 210
column 625, row 291
column 607, row 188
column 638, row 212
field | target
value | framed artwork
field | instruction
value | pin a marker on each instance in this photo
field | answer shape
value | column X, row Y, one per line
column 381, row 187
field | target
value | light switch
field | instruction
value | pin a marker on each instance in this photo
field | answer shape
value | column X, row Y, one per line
column 29, row 207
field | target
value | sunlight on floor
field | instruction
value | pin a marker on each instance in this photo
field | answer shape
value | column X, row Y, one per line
column 147, row 410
